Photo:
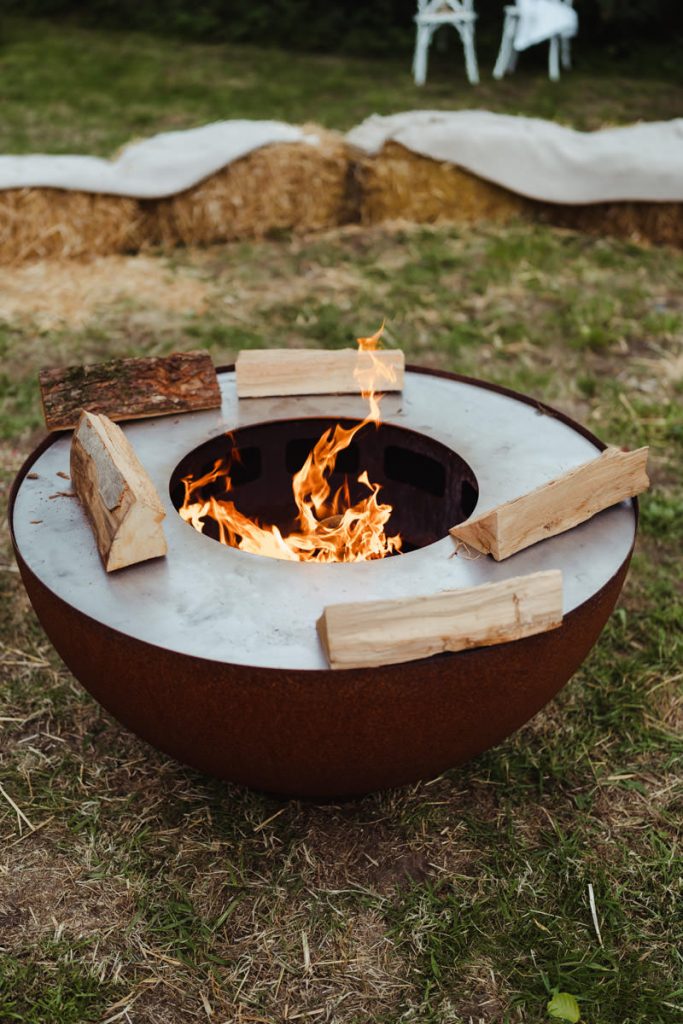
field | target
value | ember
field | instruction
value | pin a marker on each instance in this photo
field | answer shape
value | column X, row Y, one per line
column 329, row 527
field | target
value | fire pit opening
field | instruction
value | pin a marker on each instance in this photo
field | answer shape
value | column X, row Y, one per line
column 428, row 486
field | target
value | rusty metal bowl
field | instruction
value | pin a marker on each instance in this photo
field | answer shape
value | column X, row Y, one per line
column 212, row 655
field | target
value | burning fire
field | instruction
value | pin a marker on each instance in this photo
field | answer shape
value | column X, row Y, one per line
column 328, row 527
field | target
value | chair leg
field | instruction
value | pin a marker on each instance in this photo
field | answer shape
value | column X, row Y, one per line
column 471, row 67
column 566, row 53
column 554, row 59
column 422, row 41
column 506, row 51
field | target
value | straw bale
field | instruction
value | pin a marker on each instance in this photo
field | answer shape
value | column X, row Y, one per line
column 400, row 184
column 304, row 188
column 658, row 223
column 397, row 183
column 36, row 223
column 282, row 186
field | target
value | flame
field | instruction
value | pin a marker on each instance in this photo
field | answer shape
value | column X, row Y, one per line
column 328, row 527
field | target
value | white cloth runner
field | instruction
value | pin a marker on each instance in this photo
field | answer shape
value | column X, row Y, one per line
column 157, row 167
column 542, row 159
column 542, row 19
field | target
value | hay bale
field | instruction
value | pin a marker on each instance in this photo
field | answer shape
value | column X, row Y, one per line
column 283, row 186
column 291, row 185
column 400, row 184
column 51, row 222
column 658, row 223
column 304, row 188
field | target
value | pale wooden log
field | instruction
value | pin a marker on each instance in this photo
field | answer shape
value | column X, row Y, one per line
column 373, row 633
column 262, row 373
column 559, row 505
column 120, row 500
column 126, row 389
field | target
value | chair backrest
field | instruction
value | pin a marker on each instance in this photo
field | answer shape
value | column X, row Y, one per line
column 569, row 3
column 443, row 6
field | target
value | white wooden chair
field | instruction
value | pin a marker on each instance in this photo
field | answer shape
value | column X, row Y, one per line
column 431, row 15
column 559, row 46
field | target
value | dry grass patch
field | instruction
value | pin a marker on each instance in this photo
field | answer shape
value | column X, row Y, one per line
column 44, row 894
column 54, row 293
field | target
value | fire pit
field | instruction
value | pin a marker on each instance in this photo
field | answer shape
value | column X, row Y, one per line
column 212, row 653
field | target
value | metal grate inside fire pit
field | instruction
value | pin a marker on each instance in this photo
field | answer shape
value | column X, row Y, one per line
column 429, row 486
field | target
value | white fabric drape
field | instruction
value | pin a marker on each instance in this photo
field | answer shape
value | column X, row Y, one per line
column 154, row 168
column 542, row 159
column 540, row 20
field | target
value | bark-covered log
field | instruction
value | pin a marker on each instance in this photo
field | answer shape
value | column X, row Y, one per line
column 126, row 389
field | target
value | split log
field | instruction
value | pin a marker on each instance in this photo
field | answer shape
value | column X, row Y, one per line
column 127, row 389
column 558, row 505
column 262, row 373
column 120, row 500
column 373, row 633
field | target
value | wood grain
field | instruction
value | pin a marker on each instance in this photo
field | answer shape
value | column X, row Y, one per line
column 368, row 634
column 120, row 500
column 262, row 373
column 559, row 505
column 126, row 389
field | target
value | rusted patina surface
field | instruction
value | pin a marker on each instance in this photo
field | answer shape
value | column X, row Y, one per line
column 321, row 734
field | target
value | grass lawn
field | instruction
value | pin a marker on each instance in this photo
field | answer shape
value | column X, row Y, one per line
column 146, row 893
column 148, row 885
column 68, row 89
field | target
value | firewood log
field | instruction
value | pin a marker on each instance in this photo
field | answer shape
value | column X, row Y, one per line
column 372, row 633
column 262, row 373
column 120, row 500
column 558, row 505
column 126, row 389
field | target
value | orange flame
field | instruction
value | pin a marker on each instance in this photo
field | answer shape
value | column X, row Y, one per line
column 330, row 529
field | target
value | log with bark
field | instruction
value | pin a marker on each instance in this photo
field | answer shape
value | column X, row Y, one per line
column 557, row 506
column 372, row 633
column 120, row 500
column 126, row 389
